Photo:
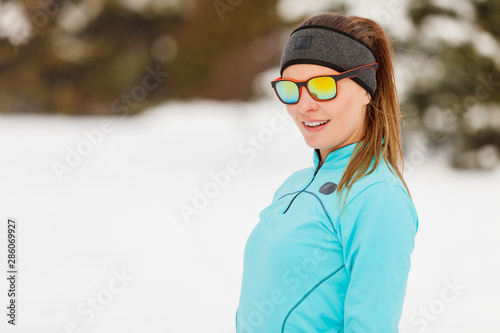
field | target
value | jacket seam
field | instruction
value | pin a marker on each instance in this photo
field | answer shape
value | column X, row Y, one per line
column 321, row 202
column 284, row 195
column 323, row 167
column 375, row 183
column 324, row 209
column 366, row 188
column 306, row 295
column 309, row 269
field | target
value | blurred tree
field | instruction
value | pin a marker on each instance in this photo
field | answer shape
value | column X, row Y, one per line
column 113, row 56
column 454, row 63
column 122, row 56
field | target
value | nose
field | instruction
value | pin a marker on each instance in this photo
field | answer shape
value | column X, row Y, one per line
column 306, row 102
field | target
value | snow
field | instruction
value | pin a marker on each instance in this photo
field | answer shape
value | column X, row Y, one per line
column 118, row 214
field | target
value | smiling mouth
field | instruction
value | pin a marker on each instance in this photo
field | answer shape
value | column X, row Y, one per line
column 315, row 123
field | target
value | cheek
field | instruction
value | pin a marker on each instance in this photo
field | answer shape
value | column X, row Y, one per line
column 337, row 109
column 292, row 110
column 347, row 112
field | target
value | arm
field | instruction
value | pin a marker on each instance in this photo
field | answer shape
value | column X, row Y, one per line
column 378, row 232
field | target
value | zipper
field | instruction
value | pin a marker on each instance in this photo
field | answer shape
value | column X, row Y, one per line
column 315, row 172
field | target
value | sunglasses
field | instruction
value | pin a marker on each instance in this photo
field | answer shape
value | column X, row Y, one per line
column 321, row 88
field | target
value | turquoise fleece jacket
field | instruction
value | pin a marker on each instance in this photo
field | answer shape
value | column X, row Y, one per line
column 308, row 268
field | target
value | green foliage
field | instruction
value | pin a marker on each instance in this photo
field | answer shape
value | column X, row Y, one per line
column 468, row 90
column 86, row 70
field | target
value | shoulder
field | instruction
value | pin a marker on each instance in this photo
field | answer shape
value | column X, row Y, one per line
column 382, row 194
column 382, row 181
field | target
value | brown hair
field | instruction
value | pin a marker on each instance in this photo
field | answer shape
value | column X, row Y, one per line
column 383, row 115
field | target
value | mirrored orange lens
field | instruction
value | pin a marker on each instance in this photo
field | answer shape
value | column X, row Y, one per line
column 322, row 87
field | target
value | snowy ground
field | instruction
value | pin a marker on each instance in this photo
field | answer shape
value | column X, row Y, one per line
column 118, row 214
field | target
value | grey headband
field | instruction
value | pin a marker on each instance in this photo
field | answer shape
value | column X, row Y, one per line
column 333, row 48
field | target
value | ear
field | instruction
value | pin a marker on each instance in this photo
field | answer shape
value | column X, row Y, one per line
column 367, row 98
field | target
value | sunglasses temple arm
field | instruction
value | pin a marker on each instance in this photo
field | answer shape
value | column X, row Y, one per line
column 355, row 72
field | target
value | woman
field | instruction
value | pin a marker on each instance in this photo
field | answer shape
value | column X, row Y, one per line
column 331, row 253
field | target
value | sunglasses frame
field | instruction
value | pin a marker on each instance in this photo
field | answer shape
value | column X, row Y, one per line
column 336, row 77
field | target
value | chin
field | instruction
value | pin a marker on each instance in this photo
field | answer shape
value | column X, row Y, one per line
column 316, row 143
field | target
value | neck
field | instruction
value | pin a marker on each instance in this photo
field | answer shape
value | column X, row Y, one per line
column 325, row 151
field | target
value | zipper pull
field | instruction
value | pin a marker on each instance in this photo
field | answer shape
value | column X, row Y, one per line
column 315, row 172
column 319, row 161
column 317, row 168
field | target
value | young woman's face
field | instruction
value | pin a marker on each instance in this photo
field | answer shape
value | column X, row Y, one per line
column 345, row 114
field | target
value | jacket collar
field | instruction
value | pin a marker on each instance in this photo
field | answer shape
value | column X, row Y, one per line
column 336, row 159
column 339, row 158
